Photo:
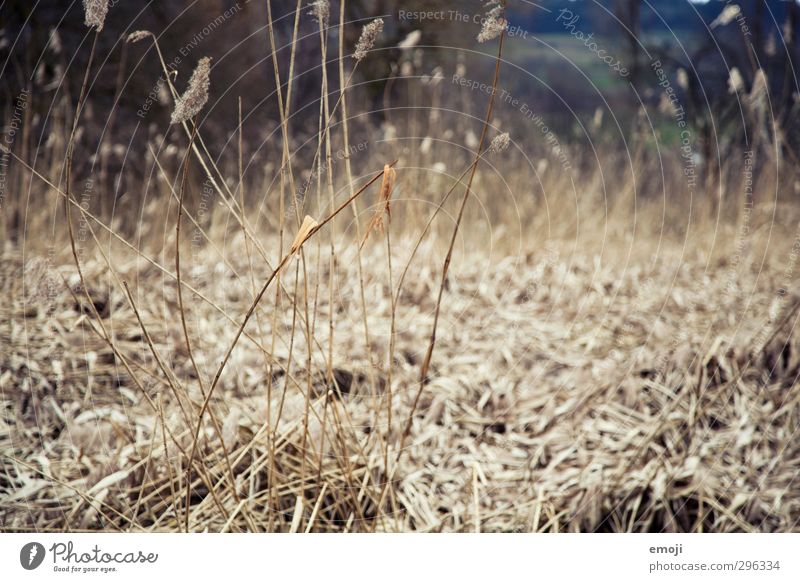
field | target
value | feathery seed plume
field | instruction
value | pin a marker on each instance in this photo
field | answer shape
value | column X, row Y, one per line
column 411, row 40
column 494, row 24
column 138, row 35
column 683, row 79
column 728, row 15
column 95, row 13
column 367, row 40
column 500, row 143
column 735, row 81
column 321, row 10
column 192, row 101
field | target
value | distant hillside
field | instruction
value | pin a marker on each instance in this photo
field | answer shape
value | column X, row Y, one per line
column 656, row 15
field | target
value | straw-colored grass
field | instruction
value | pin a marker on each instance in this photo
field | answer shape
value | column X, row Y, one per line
column 583, row 347
column 572, row 392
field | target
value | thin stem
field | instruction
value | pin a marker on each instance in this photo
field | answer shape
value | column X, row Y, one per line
column 423, row 377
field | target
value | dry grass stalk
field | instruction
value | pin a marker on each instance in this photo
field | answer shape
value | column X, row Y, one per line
column 286, row 175
column 365, row 43
column 423, row 379
column 302, row 237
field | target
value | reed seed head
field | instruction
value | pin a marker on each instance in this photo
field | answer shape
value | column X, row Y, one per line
column 95, row 13
column 138, row 35
column 728, row 15
column 735, row 81
column 494, row 24
column 366, row 41
column 683, row 79
column 384, row 202
column 321, row 10
column 411, row 40
column 194, row 99
column 500, row 143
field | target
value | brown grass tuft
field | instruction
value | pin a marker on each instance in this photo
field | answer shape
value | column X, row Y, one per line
column 305, row 231
column 384, row 202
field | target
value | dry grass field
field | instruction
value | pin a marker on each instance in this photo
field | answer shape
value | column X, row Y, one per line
column 570, row 393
